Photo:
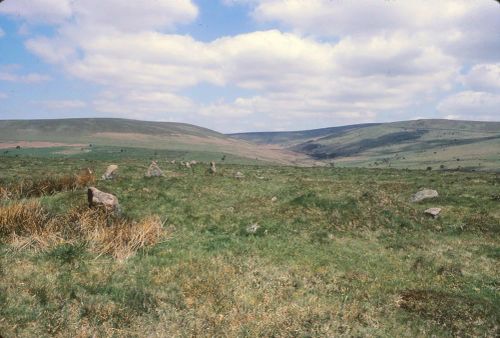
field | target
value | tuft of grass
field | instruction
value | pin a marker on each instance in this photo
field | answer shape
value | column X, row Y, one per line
column 30, row 188
column 22, row 218
column 26, row 224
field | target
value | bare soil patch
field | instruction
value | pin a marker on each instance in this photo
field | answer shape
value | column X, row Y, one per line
column 37, row 144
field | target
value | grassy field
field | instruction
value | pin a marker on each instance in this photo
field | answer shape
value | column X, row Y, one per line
column 337, row 252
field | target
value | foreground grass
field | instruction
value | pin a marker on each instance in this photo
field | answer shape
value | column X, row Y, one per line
column 340, row 252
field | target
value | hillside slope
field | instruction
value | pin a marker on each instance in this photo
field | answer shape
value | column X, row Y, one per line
column 137, row 134
column 406, row 144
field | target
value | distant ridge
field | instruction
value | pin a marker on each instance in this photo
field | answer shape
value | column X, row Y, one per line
column 434, row 143
column 139, row 134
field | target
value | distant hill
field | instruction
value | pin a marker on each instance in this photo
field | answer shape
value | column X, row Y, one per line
column 139, row 134
column 407, row 144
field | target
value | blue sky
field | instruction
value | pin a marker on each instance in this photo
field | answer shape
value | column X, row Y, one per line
column 248, row 65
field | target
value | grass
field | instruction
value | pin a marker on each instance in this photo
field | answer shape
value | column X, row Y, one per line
column 339, row 252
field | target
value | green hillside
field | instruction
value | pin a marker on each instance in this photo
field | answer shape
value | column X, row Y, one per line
column 78, row 133
column 288, row 138
column 441, row 144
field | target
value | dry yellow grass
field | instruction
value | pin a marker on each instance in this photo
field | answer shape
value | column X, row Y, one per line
column 27, row 188
column 26, row 225
column 22, row 218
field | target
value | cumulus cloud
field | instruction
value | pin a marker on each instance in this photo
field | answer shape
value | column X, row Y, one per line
column 38, row 11
column 64, row 104
column 143, row 104
column 472, row 105
column 122, row 15
column 2, row 33
column 9, row 73
column 335, row 61
column 484, row 77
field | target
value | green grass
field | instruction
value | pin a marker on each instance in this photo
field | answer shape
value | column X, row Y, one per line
column 341, row 252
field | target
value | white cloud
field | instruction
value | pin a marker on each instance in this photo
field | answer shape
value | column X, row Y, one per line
column 2, row 33
column 8, row 73
column 64, row 104
column 120, row 15
column 3, row 96
column 296, row 75
column 135, row 16
column 484, row 77
column 142, row 104
column 336, row 61
column 471, row 105
column 37, row 11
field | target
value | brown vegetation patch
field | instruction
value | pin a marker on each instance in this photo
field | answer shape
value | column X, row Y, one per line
column 28, row 188
column 25, row 224
column 37, row 144
column 457, row 313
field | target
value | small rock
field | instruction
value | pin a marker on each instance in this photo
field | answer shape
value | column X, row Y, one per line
column 154, row 170
column 193, row 162
column 212, row 169
column 111, row 172
column 424, row 194
column 260, row 177
column 188, row 165
column 239, row 175
column 252, row 228
column 274, row 199
column 434, row 212
column 109, row 201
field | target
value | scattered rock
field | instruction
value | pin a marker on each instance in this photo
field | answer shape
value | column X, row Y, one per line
column 97, row 197
column 172, row 162
column 274, row 199
column 193, row 162
column 239, row 175
column 111, row 172
column 252, row 228
column 154, row 170
column 260, row 177
column 188, row 165
column 434, row 212
column 212, row 169
column 424, row 194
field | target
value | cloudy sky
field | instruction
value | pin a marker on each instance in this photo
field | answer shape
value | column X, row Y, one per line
column 245, row 65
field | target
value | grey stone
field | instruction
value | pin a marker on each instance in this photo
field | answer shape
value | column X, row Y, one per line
column 154, row 170
column 111, row 172
column 434, row 212
column 97, row 197
column 212, row 169
column 424, row 194
column 252, row 228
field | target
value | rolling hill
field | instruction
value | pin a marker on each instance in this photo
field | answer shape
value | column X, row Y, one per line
column 78, row 133
column 407, row 144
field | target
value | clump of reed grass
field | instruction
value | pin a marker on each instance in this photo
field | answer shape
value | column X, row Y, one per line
column 26, row 225
column 29, row 187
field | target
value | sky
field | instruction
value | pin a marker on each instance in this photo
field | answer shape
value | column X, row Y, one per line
column 251, row 65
